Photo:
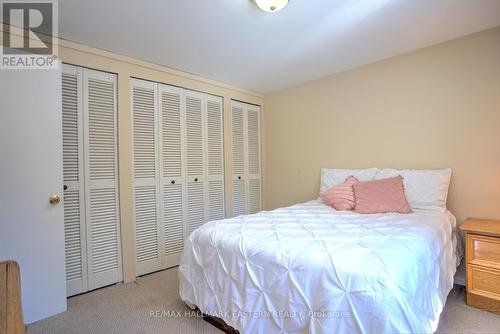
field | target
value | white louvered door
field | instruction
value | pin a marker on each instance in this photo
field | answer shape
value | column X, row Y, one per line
column 172, row 180
column 238, row 150
column 195, row 162
column 246, row 158
column 92, row 229
column 178, row 169
column 253, row 159
column 101, row 178
column 215, row 201
column 146, row 176
column 74, row 194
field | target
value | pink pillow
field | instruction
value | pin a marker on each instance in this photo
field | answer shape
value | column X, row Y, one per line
column 379, row 196
column 340, row 197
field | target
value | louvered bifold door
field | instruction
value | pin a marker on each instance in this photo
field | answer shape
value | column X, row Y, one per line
column 101, row 178
column 74, row 195
column 194, row 148
column 146, row 178
column 253, row 180
column 172, row 184
column 238, row 154
column 214, row 158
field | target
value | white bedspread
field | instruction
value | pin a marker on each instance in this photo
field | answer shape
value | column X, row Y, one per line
column 310, row 269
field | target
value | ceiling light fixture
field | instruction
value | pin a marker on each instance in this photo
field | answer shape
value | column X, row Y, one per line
column 271, row 5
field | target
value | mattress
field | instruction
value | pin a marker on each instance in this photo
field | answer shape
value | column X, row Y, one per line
column 310, row 269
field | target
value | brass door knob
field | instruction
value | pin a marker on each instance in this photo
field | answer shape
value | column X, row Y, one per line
column 54, row 199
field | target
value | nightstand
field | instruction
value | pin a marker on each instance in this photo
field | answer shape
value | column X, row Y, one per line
column 482, row 256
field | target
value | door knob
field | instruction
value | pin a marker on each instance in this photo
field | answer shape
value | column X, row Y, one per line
column 54, row 199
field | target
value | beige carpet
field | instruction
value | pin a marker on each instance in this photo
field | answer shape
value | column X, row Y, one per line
column 126, row 308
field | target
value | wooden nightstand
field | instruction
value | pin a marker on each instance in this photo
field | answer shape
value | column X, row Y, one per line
column 482, row 256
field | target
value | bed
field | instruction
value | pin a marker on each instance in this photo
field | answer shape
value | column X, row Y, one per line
column 308, row 268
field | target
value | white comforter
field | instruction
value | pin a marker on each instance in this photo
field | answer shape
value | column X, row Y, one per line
column 310, row 269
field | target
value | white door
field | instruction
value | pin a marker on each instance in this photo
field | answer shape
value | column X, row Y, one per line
column 172, row 180
column 214, row 157
column 253, row 158
column 178, row 169
column 146, row 177
column 31, row 170
column 104, row 260
column 246, row 158
column 74, row 181
column 195, row 162
column 91, row 216
column 239, row 158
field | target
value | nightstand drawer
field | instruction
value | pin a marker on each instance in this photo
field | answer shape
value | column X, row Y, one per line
column 483, row 250
column 483, row 263
column 485, row 281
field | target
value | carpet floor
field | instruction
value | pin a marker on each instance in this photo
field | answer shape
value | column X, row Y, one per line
column 152, row 305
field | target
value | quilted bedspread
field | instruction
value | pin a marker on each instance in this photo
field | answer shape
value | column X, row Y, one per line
column 310, row 269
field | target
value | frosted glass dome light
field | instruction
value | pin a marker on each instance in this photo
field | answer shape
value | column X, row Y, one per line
column 271, row 5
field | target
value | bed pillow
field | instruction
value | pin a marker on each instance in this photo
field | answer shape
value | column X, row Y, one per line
column 340, row 197
column 381, row 196
column 333, row 177
column 425, row 189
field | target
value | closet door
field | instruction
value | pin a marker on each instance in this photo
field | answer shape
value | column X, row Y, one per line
column 74, row 195
column 101, row 177
column 253, row 159
column 91, row 213
column 172, row 181
column 195, row 164
column 246, row 158
column 239, row 158
column 215, row 157
column 146, row 177
column 178, row 169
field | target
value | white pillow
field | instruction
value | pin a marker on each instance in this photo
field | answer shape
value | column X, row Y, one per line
column 333, row 177
column 424, row 189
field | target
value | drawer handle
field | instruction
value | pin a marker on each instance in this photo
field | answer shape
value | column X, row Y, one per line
column 196, row 180
column 173, row 181
column 239, row 177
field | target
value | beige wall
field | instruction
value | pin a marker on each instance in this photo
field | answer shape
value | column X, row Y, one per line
column 432, row 108
column 126, row 68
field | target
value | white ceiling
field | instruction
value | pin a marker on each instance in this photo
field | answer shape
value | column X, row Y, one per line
column 234, row 42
